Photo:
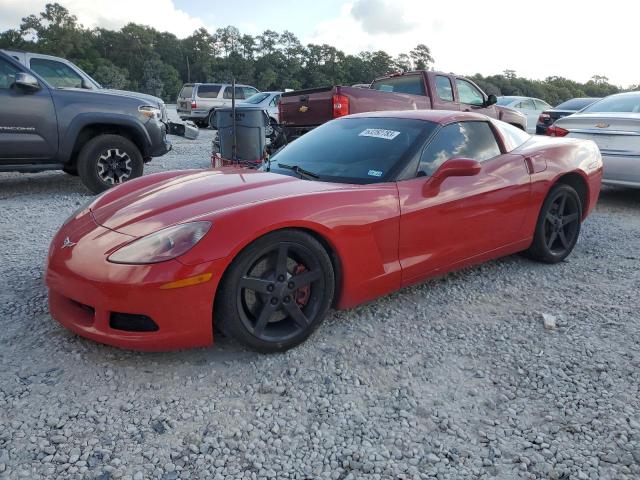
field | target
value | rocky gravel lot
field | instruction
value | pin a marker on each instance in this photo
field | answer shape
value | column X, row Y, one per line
column 456, row 378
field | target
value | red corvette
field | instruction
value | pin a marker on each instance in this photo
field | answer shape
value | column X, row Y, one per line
column 357, row 208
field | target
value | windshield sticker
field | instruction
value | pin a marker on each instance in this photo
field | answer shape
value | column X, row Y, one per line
column 379, row 133
column 376, row 173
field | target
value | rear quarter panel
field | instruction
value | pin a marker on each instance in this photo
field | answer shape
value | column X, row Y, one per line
column 553, row 158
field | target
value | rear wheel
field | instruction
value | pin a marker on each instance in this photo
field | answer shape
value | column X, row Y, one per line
column 108, row 160
column 558, row 225
column 276, row 292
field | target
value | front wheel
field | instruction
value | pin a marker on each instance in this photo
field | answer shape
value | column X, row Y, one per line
column 108, row 160
column 276, row 292
column 558, row 225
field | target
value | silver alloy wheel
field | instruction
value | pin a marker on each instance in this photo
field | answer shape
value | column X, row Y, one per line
column 114, row 166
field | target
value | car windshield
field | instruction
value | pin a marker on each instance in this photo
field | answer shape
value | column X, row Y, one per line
column 354, row 150
column 616, row 103
column 257, row 98
column 505, row 100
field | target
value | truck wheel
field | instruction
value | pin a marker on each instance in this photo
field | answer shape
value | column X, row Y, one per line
column 108, row 160
column 71, row 170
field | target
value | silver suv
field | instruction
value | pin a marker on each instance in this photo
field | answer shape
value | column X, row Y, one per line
column 198, row 101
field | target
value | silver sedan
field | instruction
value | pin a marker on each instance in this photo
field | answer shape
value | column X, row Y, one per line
column 613, row 123
column 268, row 101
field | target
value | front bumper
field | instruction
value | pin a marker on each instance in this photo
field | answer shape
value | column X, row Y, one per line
column 85, row 291
column 623, row 170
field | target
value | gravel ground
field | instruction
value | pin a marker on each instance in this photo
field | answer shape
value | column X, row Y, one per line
column 455, row 378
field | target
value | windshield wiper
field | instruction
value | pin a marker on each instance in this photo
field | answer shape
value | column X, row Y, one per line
column 300, row 171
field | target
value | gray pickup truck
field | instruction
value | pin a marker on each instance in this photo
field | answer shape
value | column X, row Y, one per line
column 103, row 136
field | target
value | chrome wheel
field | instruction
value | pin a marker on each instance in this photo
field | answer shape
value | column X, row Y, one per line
column 114, row 166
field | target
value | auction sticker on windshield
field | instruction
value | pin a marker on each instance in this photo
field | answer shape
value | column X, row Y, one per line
column 379, row 133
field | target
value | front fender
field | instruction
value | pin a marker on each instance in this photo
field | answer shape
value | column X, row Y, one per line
column 82, row 120
column 361, row 226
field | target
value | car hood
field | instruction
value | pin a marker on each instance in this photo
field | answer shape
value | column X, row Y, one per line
column 141, row 96
column 167, row 199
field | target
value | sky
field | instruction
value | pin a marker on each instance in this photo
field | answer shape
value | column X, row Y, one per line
column 569, row 38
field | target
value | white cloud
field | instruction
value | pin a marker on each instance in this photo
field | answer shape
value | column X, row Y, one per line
column 574, row 39
column 113, row 14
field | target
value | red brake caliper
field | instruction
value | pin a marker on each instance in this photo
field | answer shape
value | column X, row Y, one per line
column 302, row 294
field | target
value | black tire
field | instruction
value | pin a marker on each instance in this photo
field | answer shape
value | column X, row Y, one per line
column 108, row 160
column 210, row 119
column 558, row 225
column 271, row 305
column 71, row 170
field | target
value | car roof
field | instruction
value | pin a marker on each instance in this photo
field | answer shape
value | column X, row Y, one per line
column 436, row 116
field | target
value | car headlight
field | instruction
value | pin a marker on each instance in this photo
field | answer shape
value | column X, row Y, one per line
column 163, row 245
column 150, row 111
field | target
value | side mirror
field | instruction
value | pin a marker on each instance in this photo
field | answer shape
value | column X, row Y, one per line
column 454, row 167
column 86, row 85
column 26, row 81
column 491, row 100
column 458, row 167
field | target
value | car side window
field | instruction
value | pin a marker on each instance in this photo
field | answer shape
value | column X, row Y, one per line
column 527, row 104
column 275, row 101
column 444, row 89
column 248, row 91
column 474, row 140
column 469, row 93
column 7, row 74
column 239, row 93
column 208, row 91
column 56, row 73
column 540, row 105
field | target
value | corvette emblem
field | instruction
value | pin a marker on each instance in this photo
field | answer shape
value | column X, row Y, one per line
column 303, row 108
column 67, row 243
column 602, row 125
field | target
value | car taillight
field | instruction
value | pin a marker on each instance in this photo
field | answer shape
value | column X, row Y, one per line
column 554, row 131
column 340, row 106
column 544, row 118
column 194, row 104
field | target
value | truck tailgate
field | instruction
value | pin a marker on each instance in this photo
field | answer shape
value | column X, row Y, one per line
column 307, row 107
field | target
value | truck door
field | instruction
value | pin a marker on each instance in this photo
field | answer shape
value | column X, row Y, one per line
column 472, row 99
column 28, row 125
column 443, row 98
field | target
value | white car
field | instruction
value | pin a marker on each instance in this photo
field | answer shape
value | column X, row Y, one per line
column 613, row 123
column 530, row 107
column 267, row 100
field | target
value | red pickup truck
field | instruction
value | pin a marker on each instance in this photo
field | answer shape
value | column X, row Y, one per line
column 303, row 110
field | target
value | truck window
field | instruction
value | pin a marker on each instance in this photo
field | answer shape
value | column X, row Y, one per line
column 469, row 93
column 209, row 91
column 186, row 91
column 444, row 88
column 57, row 74
column 239, row 93
column 473, row 140
column 411, row 84
column 7, row 74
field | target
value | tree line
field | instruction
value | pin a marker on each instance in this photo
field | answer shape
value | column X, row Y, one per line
column 141, row 58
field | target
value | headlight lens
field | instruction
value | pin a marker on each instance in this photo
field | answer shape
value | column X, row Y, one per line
column 150, row 111
column 163, row 245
